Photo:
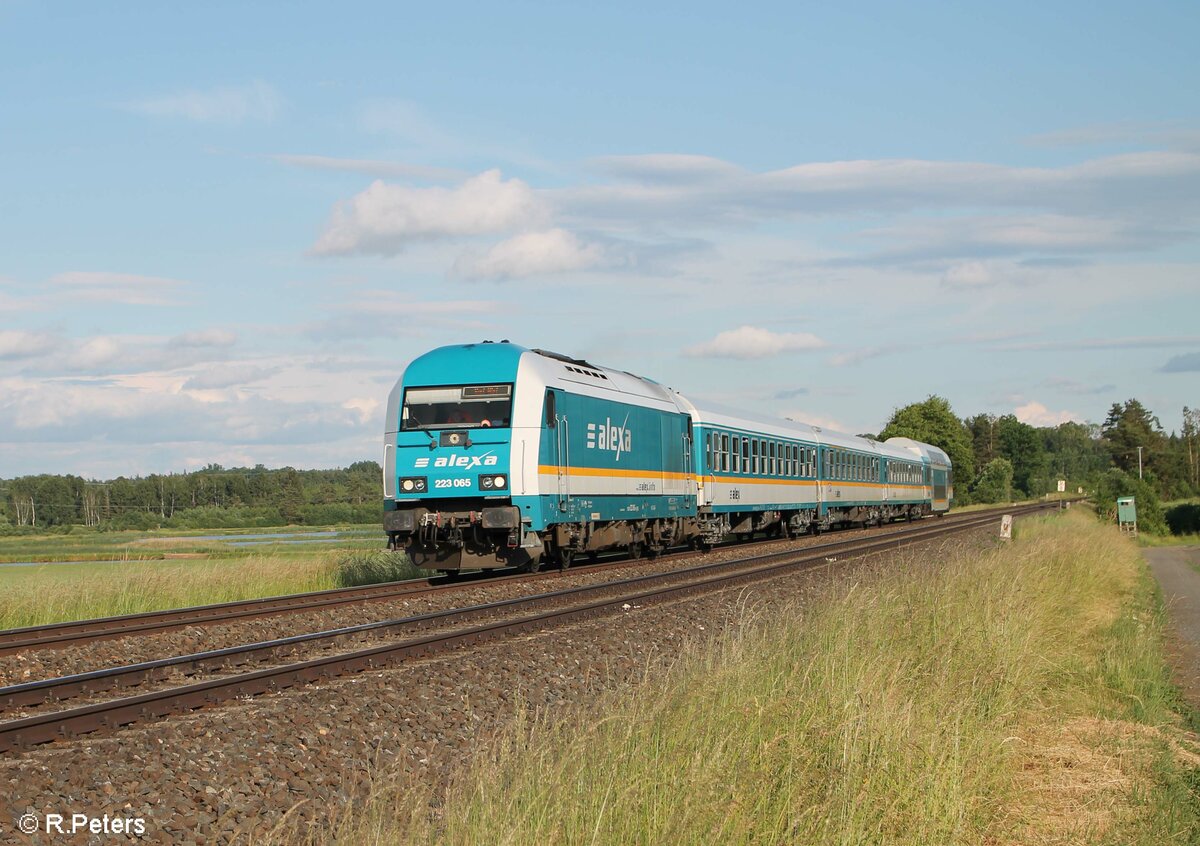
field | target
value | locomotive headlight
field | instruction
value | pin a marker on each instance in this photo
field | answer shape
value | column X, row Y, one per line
column 499, row 482
column 485, row 482
column 492, row 483
column 413, row 484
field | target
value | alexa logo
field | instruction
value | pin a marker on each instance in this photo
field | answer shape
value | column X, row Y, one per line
column 606, row 436
column 488, row 460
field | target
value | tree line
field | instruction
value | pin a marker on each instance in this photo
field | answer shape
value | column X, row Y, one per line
column 999, row 458
column 213, row 497
column 996, row 459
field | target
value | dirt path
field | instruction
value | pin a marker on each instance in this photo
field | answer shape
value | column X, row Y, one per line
column 1177, row 569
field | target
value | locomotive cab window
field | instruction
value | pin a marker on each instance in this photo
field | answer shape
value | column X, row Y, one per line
column 457, row 407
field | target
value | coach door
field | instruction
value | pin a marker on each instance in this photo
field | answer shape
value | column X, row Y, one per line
column 557, row 431
column 712, row 463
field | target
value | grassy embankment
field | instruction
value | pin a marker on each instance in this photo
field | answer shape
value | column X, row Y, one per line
column 195, row 572
column 1017, row 696
column 1183, row 519
column 90, row 545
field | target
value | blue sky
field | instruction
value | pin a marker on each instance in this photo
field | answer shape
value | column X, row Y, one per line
column 227, row 227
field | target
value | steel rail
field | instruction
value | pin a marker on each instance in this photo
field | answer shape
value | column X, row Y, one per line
column 43, row 728
column 67, row 687
column 66, row 634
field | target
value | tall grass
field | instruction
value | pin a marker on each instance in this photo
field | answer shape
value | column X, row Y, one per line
column 51, row 593
column 927, row 703
column 375, row 567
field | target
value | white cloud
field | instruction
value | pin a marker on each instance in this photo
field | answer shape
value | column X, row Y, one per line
column 968, row 274
column 668, row 167
column 1188, row 363
column 1174, row 135
column 866, row 353
column 18, row 344
column 385, row 218
column 205, row 338
column 357, row 315
column 1107, row 343
column 99, row 351
column 227, row 376
column 123, row 288
column 815, row 420
column 1160, row 184
column 371, row 167
column 406, row 121
column 1036, row 414
column 532, row 254
column 257, row 100
column 752, row 342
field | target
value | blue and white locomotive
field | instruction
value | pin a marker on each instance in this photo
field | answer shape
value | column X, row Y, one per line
column 501, row 456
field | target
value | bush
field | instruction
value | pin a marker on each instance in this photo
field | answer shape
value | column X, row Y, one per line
column 1184, row 519
column 994, row 483
column 372, row 568
column 1116, row 483
column 340, row 513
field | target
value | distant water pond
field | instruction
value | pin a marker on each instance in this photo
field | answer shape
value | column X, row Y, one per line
column 49, row 563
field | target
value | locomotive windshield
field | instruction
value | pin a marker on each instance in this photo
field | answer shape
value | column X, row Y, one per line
column 458, row 407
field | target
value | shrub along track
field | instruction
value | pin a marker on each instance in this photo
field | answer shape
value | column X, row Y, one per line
column 499, row 619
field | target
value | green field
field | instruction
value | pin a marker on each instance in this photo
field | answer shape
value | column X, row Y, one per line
column 126, row 572
column 1014, row 696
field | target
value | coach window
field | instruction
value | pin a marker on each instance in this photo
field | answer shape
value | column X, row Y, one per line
column 745, row 455
column 754, row 456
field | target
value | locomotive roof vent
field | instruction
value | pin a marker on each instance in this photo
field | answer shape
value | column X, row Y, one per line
column 586, row 372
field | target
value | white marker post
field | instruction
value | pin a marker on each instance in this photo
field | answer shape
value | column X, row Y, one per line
column 1062, row 488
column 1006, row 527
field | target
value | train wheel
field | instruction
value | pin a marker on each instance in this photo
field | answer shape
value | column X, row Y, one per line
column 530, row 566
column 564, row 557
column 635, row 550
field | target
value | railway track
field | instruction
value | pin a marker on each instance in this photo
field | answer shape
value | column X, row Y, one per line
column 499, row 619
column 64, row 635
